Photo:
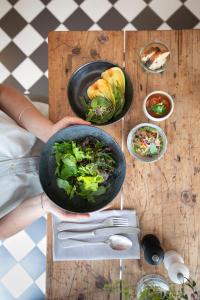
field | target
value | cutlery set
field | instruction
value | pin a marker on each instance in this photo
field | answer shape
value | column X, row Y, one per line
column 116, row 242
column 114, row 228
column 110, row 222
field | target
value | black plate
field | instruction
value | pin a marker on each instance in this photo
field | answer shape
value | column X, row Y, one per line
column 83, row 77
column 47, row 169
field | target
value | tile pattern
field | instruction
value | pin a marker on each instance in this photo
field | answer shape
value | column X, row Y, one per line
column 147, row 18
column 23, row 256
column 24, row 28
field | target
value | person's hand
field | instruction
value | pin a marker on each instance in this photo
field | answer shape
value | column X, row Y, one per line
column 66, row 122
column 52, row 208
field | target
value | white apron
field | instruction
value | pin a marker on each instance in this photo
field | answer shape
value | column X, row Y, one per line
column 19, row 159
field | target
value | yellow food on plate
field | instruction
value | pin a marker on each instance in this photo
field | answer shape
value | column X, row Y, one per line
column 115, row 76
column 106, row 96
column 100, row 88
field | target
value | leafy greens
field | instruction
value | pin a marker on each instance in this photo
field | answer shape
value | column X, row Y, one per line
column 159, row 108
column 83, row 167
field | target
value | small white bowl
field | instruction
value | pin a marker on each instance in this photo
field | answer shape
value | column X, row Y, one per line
column 150, row 117
column 143, row 158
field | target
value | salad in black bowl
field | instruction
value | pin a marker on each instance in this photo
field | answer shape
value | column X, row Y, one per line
column 82, row 168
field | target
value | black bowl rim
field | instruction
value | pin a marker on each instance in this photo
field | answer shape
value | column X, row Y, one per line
column 118, row 189
column 114, row 65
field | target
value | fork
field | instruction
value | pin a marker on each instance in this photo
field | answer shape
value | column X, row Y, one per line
column 110, row 222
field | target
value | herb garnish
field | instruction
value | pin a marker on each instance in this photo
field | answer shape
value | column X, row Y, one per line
column 159, row 108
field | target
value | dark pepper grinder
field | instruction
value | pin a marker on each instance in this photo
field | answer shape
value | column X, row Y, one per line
column 153, row 252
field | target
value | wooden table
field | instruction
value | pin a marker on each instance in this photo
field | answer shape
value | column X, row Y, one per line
column 166, row 194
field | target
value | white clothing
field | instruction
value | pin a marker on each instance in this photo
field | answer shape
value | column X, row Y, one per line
column 19, row 160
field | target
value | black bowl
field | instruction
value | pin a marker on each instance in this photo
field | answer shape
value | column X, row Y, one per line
column 83, row 77
column 47, row 169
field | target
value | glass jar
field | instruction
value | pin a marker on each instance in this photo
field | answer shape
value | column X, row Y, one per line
column 148, row 50
column 152, row 280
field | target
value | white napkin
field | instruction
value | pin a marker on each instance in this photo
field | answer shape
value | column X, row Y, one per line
column 102, row 251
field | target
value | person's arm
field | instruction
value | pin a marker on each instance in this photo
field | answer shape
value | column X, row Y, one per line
column 20, row 109
column 27, row 116
column 29, row 211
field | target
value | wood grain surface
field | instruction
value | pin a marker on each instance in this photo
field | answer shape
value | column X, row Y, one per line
column 165, row 194
column 68, row 51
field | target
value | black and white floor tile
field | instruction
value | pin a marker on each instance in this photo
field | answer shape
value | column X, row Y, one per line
column 24, row 25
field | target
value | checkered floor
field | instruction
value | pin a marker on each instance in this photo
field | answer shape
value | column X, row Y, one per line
column 23, row 263
column 24, row 26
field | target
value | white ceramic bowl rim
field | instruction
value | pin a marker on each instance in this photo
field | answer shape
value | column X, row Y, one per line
column 131, row 136
column 150, row 116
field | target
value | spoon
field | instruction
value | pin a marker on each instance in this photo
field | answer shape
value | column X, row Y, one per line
column 116, row 242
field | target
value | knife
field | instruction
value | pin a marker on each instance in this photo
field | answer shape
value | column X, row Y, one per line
column 98, row 232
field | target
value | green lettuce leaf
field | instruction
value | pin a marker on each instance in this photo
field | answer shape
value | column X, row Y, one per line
column 64, row 184
column 89, row 169
column 90, row 183
column 78, row 153
column 69, row 166
column 64, row 147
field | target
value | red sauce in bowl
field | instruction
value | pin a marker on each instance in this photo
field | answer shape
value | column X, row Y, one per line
column 158, row 105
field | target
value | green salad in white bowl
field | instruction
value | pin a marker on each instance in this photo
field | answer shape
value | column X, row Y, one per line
column 147, row 142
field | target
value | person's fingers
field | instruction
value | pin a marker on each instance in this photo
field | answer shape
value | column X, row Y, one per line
column 76, row 216
column 74, row 120
column 70, row 216
column 61, row 213
column 68, row 121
